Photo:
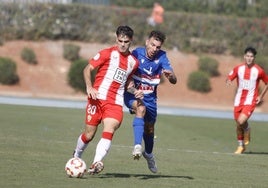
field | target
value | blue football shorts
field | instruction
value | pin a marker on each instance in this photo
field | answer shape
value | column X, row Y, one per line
column 150, row 104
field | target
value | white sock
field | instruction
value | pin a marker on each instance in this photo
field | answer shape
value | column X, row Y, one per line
column 241, row 142
column 80, row 147
column 102, row 149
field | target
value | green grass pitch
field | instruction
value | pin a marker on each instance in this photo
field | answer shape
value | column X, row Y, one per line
column 36, row 142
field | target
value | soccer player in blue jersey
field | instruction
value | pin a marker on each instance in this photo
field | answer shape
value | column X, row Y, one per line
column 153, row 63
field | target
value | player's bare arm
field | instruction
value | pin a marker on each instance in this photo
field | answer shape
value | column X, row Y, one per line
column 170, row 76
column 91, row 92
column 131, row 89
column 260, row 97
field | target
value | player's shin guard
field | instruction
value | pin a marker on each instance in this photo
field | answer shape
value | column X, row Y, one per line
column 138, row 129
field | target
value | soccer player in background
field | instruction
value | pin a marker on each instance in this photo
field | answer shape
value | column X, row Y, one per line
column 114, row 65
column 248, row 76
column 153, row 63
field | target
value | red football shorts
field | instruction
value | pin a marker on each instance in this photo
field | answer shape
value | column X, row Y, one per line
column 245, row 109
column 97, row 110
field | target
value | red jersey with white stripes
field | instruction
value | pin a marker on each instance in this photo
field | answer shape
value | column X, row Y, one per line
column 248, row 79
column 114, row 69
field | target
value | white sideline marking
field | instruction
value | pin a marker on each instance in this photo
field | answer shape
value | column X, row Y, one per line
column 161, row 109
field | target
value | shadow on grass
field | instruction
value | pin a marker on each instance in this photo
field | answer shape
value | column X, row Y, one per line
column 256, row 153
column 141, row 176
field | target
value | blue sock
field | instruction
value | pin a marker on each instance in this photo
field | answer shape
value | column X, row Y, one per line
column 149, row 143
column 138, row 129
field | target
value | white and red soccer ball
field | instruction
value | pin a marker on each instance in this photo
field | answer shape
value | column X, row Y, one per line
column 75, row 168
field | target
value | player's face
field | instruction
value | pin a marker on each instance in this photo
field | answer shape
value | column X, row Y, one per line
column 123, row 43
column 152, row 47
column 249, row 58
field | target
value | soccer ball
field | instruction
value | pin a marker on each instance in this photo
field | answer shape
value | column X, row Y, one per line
column 75, row 168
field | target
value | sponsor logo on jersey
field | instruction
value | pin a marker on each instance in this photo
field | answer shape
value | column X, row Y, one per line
column 120, row 75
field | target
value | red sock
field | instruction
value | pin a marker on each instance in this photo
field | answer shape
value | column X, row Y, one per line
column 107, row 135
column 84, row 138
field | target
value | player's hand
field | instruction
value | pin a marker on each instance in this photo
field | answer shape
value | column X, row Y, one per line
column 138, row 94
column 167, row 73
column 170, row 76
column 92, row 92
column 228, row 82
column 258, row 100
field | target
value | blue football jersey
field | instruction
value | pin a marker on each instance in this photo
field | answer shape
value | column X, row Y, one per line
column 149, row 72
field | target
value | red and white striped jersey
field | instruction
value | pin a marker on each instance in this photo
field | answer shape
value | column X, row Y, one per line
column 114, row 69
column 248, row 80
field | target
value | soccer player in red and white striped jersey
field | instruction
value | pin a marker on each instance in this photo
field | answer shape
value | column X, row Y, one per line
column 115, row 66
column 248, row 76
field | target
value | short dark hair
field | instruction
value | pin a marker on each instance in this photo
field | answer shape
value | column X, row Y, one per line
column 158, row 35
column 125, row 30
column 250, row 49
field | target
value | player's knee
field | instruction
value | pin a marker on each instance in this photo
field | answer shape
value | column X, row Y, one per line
column 240, row 122
column 141, row 110
column 149, row 130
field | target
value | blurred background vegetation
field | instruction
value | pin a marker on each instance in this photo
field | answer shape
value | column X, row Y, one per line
column 205, row 26
column 240, row 8
column 195, row 26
